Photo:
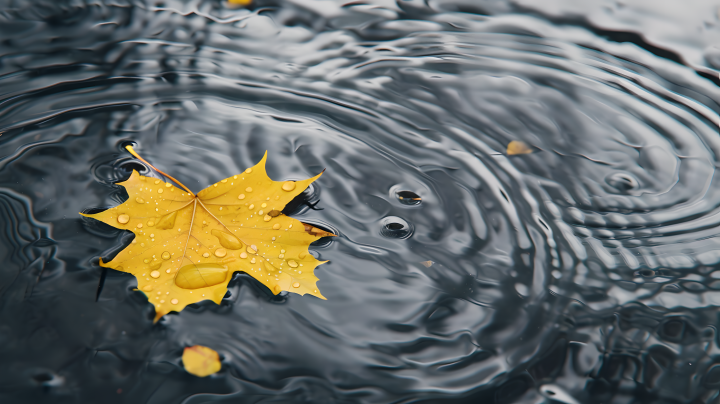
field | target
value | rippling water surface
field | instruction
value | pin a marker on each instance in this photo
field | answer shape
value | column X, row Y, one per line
column 585, row 272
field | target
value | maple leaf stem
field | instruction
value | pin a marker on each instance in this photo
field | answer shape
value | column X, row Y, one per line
column 134, row 153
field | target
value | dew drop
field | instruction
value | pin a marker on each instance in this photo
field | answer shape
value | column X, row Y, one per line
column 290, row 227
column 252, row 260
column 241, row 196
column 260, row 212
column 147, row 288
column 293, row 263
column 146, row 260
column 200, row 276
column 281, row 256
column 251, row 207
column 220, row 252
column 165, row 255
column 155, row 274
column 248, row 171
column 288, row 186
column 267, row 218
column 174, row 301
column 152, row 235
column 139, row 200
column 276, row 226
column 248, row 189
column 151, row 223
column 243, row 255
column 139, row 226
column 157, row 181
column 206, row 255
column 167, row 222
column 168, row 185
column 160, row 190
column 296, row 284
column 227, row 240
column 302, row 255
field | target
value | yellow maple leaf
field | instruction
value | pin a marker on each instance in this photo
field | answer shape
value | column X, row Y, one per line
column 187, row 246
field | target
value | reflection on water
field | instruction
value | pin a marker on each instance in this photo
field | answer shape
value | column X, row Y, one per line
column 586, row 271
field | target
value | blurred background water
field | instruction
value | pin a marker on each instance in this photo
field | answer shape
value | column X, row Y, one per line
column 585, row 272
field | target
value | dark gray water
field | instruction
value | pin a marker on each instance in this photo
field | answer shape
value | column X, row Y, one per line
column 586, row 272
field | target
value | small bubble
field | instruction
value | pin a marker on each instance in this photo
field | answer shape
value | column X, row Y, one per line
column 296, row 284
column 122, row 219
column 248, row 189
column 155, row 274
column 220, row 252
column 288, row 186
column 241, row 196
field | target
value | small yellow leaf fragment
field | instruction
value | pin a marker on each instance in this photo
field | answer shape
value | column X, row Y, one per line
column 201, row 361
column 518, row 147
column 288, row 186
column 427, row 264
